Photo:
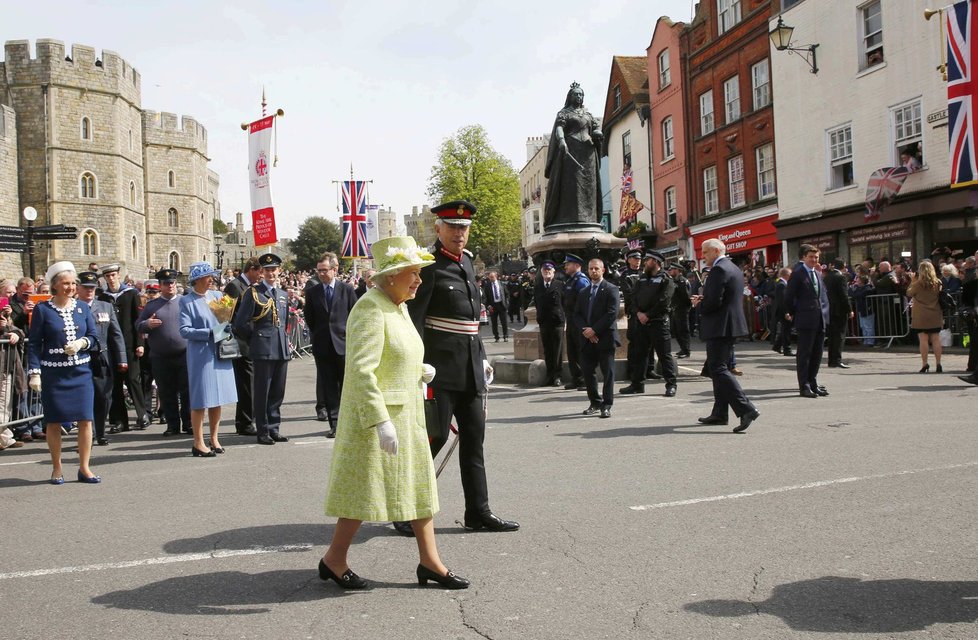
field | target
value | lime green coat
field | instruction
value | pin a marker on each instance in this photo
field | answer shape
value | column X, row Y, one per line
column 382, row 381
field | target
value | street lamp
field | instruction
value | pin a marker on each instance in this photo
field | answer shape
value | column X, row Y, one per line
column 30, row 214
column 781, row 38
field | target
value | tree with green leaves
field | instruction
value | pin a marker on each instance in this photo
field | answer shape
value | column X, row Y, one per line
column 468, row 168
column 316, row 235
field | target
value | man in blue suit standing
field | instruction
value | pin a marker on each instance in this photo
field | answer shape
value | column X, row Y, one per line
column 596, row 314
column 807, row 304
column 721, row 323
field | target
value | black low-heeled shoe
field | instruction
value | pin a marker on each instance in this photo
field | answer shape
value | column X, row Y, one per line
column 197, row 453
column 217, row 449
column 348, row 580
column 450, row 581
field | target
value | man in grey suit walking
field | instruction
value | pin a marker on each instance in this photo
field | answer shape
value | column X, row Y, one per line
column 721, row 323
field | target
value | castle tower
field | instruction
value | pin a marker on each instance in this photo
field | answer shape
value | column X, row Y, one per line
column 9, row 199
column 180, row 191
column 79, row 149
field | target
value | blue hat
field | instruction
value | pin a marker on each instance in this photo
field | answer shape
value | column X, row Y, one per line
column 167, row 275
column 88, row 279
column 200, row 270
column 269, row 261
column 570, row 257
column 548, row 264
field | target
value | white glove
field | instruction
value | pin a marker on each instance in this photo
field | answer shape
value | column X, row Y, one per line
column 488, row 371
column 34, row 382
column 75, row 346
column 388, row 437
column 427, row 373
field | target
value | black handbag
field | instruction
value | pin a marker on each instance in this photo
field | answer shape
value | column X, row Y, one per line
column 431, row 419
column 228, row 349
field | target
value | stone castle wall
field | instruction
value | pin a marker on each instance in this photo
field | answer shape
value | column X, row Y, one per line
column 9, row 201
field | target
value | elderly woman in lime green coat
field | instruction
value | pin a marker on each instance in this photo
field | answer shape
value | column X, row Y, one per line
column 382, row 468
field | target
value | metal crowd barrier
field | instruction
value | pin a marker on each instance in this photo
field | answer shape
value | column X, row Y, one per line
column 20, row 408
column 298, row 335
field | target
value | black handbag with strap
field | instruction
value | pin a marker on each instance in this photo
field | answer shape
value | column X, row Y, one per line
column 228, row 349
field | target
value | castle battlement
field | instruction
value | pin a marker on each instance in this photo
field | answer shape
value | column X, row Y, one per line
column 162, row 127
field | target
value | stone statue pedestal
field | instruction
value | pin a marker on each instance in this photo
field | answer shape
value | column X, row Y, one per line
column 583, row 242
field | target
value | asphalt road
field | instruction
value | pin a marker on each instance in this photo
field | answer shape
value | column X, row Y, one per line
column 846, row 516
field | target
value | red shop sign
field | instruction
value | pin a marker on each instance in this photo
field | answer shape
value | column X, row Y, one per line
column 747, row 236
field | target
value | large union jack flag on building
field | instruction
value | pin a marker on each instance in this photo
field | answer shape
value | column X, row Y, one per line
column 961, row 84
column 883, row 186
column 355, row 219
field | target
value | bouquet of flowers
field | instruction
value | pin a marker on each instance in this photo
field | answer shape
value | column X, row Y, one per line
column 222, row 308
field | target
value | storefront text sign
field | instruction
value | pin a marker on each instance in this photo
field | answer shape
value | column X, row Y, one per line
column 892, row 231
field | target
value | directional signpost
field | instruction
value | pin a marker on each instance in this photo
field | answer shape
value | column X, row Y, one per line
column 21, row 239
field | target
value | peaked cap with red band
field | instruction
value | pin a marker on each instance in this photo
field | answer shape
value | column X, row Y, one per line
column 455, row 212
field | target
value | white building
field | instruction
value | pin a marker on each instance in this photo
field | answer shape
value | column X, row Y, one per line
column 533, row 189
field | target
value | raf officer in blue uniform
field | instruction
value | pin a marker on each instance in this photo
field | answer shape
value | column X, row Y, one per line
column 576, row 282
column 260, row 319
column 112, row 358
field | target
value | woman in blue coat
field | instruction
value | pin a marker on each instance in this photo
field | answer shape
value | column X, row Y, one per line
column 211, row 379
column 63, row 335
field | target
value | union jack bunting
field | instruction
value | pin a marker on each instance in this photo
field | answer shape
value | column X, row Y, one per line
column 961, row 89
column 355, row 219
column 883, row 186
column 626, row 181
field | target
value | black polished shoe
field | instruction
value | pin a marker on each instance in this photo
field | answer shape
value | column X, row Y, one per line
column 670, row 391
column 102, row 441
column 682, row 354
column 652, row 375
column 348, row 580
column 972, row 379
column 331, row 433
column 713, row 420
column 217, row 449
column 449, row 581
column 630, row 389
column 789, row 352
column 570, row 385
column 939, row 369
column 745, row 421
column 170, row 432
column 838, row 365
column 605, row 412
column 322, row 415
column 591, row 410
column 490, row 522
column 821, row 391
column 265, row 440
column 246, row 431
column 115, row 428
column 277, row 437
column 806, row 392
column 142, row 424
column 197, row 453
column 404, row 528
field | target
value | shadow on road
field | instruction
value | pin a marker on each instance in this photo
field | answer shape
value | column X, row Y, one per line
column 626, row 432
column 835, row 604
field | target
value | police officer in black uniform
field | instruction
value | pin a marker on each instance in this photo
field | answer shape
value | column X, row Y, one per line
column 627, row 278
column 260, row 319
column 576, row 282
column 681, row 305
column 550, row 319
column 652, row 306
column 446, row 314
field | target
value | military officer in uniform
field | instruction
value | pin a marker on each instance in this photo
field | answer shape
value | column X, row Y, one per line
column 126, row 301
column 244, row 373
column 550, row 318
column 652, row 306
column 576, row 282
column 681, row 305
column 110, row 359
column 446, row 314
column 260, row 319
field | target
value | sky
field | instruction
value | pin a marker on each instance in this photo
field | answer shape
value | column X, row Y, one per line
column 375, row 85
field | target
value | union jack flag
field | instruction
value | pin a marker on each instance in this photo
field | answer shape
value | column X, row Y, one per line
column 961, row 89
column 355, row 219
column 883, row 186
column 626, row 181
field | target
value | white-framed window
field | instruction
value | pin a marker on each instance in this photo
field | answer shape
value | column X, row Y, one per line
column 626, row 148
column 665, row 75
column 735, row 173
column 171, row 179
column 616, row 105
column 711, row 197
column 670, row 198
column 132, row 193
column 706, row 112
column 89, row 242
column 133, row 247
column 172, row 217
column 731, row 98
column 871, row 46
column 86, row 128
column 174, row 261
column 668, row 142
column 88, row 185
column 728, row 14
column 765, row 172
column 840, row 157
column 908, row 134
column 760, row 76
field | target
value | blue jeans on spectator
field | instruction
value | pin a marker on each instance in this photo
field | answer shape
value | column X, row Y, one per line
column 867, row 325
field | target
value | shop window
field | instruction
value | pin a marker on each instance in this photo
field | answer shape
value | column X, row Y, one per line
column 871, row 45
column 728, row 14
column 626, row 149
column 665, row 75
column 711, row 196
column 735, row 169
column 670, row 197
column 907, row 134
column 761, row 83
column 765, row 172
column 840, row 157
column 731, row 99
column 706, row 112
column 668, row 143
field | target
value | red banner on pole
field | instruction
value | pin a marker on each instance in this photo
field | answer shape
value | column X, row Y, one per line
column 263, row 226
column 262, row 212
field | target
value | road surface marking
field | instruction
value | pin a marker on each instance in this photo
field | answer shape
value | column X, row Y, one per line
column 796, row 487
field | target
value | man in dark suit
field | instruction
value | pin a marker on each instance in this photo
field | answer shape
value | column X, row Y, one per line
column 495, row 296
column 550, row 318
column 722, row 321
column 596, row 313
column 445, row 311
column 244, row 370
column 260, row 319
column 112, row 355
column 782, row 331
column 125, row 300
column 807, row 305
column 837, row 289
column 327, row 308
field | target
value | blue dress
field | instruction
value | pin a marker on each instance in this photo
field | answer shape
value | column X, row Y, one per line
column 211, row 379
column 67, row 389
